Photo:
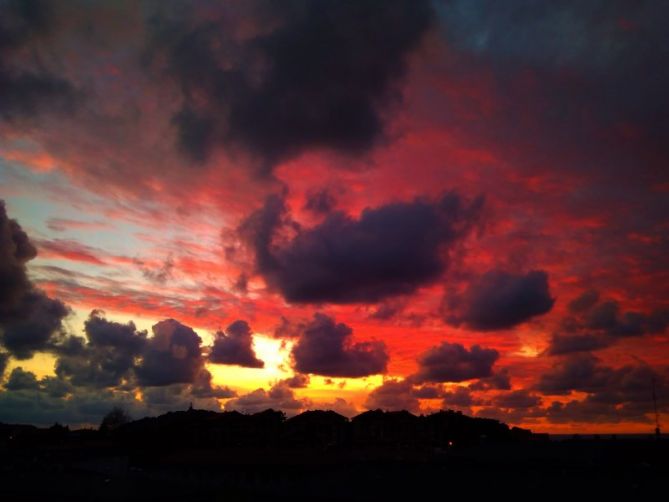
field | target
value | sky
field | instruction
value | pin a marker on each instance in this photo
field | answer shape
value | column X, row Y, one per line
column 342, row 205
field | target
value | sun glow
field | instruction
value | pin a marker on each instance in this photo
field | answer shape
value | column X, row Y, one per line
column 277, row 366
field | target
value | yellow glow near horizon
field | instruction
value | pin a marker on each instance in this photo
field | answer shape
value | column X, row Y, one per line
column 269, row 350
column 275, row 354
column 42, row 364
column 354, row 390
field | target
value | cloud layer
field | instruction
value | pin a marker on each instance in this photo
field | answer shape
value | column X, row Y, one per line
column 387, row 251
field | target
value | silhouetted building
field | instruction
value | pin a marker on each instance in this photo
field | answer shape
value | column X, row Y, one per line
column 316, row 429
column 377, row 427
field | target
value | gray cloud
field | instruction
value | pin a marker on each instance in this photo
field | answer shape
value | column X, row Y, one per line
column 29, row 319
column 235, row 346
column 500, row 300
column 451, row 362
column 388, row 251
column 325, row 348
column 172, row 355
column 313, row 76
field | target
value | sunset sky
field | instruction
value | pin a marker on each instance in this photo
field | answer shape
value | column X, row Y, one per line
column 335, row 204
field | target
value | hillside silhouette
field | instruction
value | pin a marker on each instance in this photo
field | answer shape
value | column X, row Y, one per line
column 316, row 455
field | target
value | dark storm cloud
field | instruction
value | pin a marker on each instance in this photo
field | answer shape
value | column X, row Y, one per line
column 235, row 346
column 393, row 395
column 607, row 318
column 594, row 324
column 451, row 362
column 37, row 321
column 613, row 394
column 389, row 250
column 29, row 319
column 172, row 355
column 104, row 333
column 575, row 372
column 325, row 348
column 500, row 300
column 568, row 344
column 27, row 92
column 20, row 380
column 16, row 250
column 500, row 380
column 55, row 387
column 108, row 359
column 312, row 75
column 460, row 397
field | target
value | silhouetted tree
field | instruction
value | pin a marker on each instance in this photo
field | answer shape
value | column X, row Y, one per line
column 114, row 419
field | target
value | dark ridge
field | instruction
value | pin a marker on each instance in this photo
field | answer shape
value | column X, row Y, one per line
column 317, row 455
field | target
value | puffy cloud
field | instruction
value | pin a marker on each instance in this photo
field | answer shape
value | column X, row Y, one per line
column 297, row 381
column 460, row 398
column 594, row 324
column 500, row 380
column 16, row 250
column 55, row 387
column 451, row 362
column 311, row 76
column 606, row 318
column 29, row 319
column 235, row 346
column 500, row 300
column 278, row 397
column 325, row 348
column 574, row 372
column 172, row 355
column 108, row 359
column 389, row 250
column 104, row 333
column 614, row 394
column 393, row 395
column 37, row 322
column 20, row 380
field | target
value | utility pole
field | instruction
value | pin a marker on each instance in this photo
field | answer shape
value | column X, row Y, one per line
column 657, row 415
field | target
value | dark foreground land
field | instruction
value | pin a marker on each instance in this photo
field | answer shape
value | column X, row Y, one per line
column 199, row 455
